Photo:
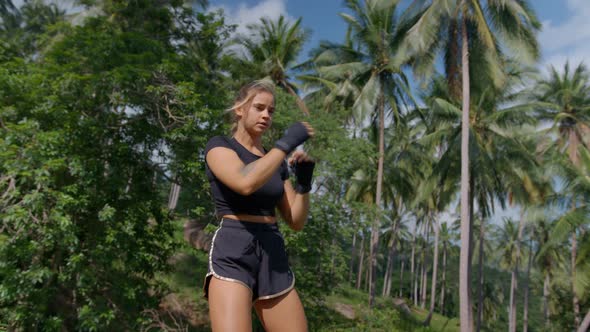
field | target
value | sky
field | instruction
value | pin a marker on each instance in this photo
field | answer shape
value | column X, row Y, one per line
column 565, row 34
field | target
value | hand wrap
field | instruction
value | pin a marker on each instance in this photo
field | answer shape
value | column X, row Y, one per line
column 303, row 173
column 294, row 136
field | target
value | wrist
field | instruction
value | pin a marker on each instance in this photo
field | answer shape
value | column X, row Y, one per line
column 280, row 145
column 302, row 188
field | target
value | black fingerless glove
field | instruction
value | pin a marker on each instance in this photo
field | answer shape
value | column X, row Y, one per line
column 303, row 173
column 294, row 135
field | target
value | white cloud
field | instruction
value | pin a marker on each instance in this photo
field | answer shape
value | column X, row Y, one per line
column 242, row 15
column 569, row 40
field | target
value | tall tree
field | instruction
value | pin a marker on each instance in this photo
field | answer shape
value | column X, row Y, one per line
column 499, row 155
column 272, row 48
column 507, row 240
column 374, row 63
column 548, row 259
column 511, row 22
column 567, row 95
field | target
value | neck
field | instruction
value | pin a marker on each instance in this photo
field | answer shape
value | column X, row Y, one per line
column 250, row 142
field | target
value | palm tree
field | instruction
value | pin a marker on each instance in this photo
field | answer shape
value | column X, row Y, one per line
column 548, row 259
column 22, row 27
column 406, row 162
column 434, row 196
column 374, row 64
column 577, row 177
column 483, row 248
column 511, row 21
column 6, row 6
column 272, row 48
column 525, row 311
column 499, row 155
column 526, row 187
column 567, row 96
column 507, row 240
column 445, row 239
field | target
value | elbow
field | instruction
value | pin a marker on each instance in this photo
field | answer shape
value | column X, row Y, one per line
column 246, row 189
column 298, row 225
column 297, row 228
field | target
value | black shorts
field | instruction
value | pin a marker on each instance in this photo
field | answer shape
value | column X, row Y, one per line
column 251, row 254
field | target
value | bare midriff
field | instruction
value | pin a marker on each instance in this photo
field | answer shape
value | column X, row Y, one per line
column 251, row 218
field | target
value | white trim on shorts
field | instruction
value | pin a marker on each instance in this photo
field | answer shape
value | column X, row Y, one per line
column 213, row 273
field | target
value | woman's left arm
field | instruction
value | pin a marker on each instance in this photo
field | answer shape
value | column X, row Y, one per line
column 294, row 206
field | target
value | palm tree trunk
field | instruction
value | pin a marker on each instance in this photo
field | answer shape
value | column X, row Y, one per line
column 514, row 278
column 386, row 276
column 412, row 265
column 434, row 272
column 481, row 277
column 525, row 313
column 444, row 279
column 424, row 282
column 368, row 279
column 471, row 243
column 333, row 258
column 573, row 156
column 359, row 275
column 416, row 283
column 390, row 257
column 401, row 278
column 173, row 196
column 464, row 277
column 377, row 221
column 512, row 306
column 298, row 100
column 424, row 286
column 546, row 300
column 576, row 301
column 352, row 250
column 585, row 324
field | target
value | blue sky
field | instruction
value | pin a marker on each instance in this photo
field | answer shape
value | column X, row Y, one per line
column 565, row 34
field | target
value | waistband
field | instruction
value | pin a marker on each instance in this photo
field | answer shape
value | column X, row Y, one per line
column 247, row 225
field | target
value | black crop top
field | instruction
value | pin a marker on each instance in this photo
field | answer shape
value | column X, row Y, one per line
column 262, row 202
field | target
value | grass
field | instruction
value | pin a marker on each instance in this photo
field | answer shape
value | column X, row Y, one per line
column 384, row 316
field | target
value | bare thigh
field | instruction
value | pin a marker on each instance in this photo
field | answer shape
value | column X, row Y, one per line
column 230, row 306
column 284, row 313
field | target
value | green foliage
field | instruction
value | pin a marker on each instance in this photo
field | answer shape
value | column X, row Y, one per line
column 88, row 135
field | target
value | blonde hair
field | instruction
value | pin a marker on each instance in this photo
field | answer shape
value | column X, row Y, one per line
column 245, row 96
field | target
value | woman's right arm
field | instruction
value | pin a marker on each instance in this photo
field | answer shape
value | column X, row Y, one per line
column 246, row 179
column 239, row 177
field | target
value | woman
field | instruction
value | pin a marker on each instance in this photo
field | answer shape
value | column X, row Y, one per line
column 247, row 261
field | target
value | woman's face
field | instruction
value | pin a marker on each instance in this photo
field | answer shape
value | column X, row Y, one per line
column 256, row 116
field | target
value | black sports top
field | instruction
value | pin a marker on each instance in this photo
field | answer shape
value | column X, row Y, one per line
column 262, row 202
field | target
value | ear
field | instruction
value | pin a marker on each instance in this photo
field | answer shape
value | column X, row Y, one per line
column 239, row 111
